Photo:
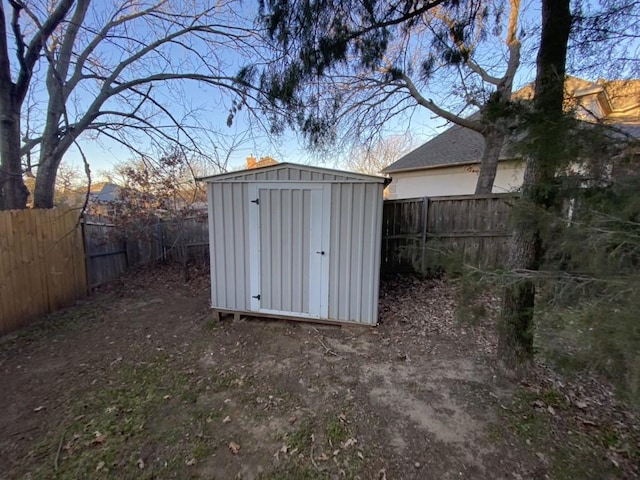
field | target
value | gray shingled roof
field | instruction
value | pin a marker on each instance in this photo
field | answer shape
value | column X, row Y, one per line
column 109, row 192
column 460, row 146
column 456, row 145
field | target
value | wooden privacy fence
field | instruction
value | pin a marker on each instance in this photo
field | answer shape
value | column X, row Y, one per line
column 111, row 250
column 49, row 259
column 426, row 233
column 41, row 264
column 186, row 239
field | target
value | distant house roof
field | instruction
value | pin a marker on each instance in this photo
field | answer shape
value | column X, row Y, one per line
column 455, row 146
column 104, row 192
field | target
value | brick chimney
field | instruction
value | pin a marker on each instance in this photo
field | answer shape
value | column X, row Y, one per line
column 251, row 161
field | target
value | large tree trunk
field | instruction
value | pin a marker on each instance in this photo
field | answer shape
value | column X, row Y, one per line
column 13, row 192
column 44, row 192
column 515, row 345
column 493, row 141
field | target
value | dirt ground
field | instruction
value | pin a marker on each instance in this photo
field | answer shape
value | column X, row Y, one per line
column 137, row 381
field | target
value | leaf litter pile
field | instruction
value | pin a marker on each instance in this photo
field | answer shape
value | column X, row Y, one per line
column 137, row 381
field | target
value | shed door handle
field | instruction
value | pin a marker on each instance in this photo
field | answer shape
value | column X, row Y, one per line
column 321, row 253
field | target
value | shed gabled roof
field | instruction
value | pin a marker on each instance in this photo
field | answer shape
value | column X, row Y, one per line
column 287, row 172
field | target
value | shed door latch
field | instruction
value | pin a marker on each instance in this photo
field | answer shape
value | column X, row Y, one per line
column 256, row 297
column 256, row 201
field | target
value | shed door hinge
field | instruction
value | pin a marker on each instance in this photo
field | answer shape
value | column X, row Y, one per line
column 256, row 297
column 256, row 201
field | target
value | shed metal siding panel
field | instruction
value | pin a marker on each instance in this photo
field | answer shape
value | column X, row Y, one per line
column 229, row 245
column 356, row 223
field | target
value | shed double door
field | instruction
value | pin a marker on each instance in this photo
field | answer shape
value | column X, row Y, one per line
column 289, row 255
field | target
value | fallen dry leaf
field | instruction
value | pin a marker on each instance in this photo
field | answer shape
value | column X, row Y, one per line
column 140, row 464
column 349, row 443
column 292, row 419
column 234, row 447
column 100, row 466
column 227, row 419
column 99, row 438
column 39, row 408
column 190, row 462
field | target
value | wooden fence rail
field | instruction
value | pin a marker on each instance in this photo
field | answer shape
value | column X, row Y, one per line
column 423, row 233
column 41, row 264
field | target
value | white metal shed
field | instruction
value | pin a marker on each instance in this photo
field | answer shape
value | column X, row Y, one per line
column 296, row 241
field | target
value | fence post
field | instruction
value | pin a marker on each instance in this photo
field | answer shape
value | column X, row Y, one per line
column 160, row 242
column 87, row 258
column 425, row 222
column 126, row 251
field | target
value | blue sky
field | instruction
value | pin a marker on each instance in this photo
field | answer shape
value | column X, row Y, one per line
column 212, row 108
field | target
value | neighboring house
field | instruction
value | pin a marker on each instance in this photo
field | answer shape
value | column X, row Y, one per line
column 449, row 163
column 104, row 199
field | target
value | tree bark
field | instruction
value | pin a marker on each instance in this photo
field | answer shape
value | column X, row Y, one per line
column 44, row 192
column 493, row 141
column 13, row 191
column 546, row 132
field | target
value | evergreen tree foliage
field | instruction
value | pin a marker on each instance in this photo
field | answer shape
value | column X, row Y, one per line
column 353, row 65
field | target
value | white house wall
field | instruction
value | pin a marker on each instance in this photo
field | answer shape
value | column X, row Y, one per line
column 455, row 180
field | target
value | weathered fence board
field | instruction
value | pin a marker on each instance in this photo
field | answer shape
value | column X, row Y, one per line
column 424, row 233
column 105, row 250
column 41, row 264
column 110, row 250
column 186, row 239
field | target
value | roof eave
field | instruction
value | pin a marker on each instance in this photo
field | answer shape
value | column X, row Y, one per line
column 362, row 176
column 441, row 165
column 428, row 167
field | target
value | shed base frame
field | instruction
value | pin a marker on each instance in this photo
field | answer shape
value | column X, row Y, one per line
column 237, row 314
